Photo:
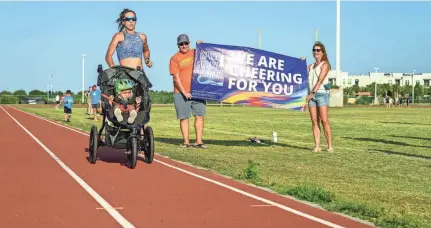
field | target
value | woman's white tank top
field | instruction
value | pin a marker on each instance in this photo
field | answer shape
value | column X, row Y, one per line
column 313, row 77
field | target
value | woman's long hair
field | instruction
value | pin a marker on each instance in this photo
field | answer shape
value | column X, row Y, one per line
column 120, row 19
column 325, row 55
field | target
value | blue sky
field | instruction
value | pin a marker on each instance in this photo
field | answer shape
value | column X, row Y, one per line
column 43, row 38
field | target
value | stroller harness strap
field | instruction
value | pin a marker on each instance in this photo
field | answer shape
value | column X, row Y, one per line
column 121, row 106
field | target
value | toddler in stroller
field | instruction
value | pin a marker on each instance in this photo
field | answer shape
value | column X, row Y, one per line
column 123, row 89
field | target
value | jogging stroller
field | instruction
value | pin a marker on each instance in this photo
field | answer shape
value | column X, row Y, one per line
column 134, row 138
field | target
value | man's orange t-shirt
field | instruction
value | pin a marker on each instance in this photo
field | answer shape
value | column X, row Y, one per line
column 182, row 64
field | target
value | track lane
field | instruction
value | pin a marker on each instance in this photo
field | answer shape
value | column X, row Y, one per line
column 35, row 191
column 167, row 197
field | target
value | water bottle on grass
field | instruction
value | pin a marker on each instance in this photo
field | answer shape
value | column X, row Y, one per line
column 274, row 136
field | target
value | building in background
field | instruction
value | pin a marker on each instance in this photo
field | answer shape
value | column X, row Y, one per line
column 401, row 79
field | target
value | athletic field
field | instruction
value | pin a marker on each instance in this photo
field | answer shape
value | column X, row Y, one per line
column 380, row 171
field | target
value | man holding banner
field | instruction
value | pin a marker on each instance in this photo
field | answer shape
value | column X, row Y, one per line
column 181, row 68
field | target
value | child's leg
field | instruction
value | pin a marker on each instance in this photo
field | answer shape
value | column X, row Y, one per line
column 118, row 113
column 132, row 114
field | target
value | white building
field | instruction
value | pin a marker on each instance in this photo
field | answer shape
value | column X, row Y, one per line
column 401, row 79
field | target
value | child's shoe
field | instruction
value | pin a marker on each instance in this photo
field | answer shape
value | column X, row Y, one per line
column 132, row 116
column 118, row 115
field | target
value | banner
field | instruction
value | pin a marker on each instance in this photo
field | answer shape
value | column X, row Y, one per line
column 242, row 75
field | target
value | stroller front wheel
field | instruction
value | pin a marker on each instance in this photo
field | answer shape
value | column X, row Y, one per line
column 148, row 144
column 132, row 151
column 92, row 148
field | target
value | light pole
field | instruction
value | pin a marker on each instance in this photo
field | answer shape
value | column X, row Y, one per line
column 83, row 60
column 375, row 86
column 337, row 53
column 258, row 38
column 413, row 88
column 375, row 91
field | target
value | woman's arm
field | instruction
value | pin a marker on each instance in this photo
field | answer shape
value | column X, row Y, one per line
column 323, row 73
column 111, row 49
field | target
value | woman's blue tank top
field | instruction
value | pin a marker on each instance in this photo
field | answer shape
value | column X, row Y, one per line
column 131, row 47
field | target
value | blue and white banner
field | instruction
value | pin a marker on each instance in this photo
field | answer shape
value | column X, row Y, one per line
column 254, row 77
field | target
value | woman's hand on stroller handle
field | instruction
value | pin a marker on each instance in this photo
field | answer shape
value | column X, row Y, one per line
column 148, row 62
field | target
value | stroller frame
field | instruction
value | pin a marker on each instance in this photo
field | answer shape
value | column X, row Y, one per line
column 135, row 138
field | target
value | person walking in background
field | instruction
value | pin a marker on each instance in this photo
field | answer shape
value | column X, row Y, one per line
column 318, row 98
column 181, row 67
column 67, row 103
column 96, row 96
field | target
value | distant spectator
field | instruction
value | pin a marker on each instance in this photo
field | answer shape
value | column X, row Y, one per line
column 400, row 101
column 57, row 101
column 408, row 100
column 387, row 101
column 89, row 104
column 96, row 96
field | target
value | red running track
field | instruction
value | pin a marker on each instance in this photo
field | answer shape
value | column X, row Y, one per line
column 37, row 191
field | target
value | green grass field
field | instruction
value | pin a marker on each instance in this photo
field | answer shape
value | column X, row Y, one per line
column 380, row 171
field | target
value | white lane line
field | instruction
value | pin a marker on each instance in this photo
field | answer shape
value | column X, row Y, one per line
column 283, row 207
column 117, row 216
column 115, row 208
column 264, row 205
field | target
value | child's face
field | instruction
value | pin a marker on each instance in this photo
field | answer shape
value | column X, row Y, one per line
column 126, row 93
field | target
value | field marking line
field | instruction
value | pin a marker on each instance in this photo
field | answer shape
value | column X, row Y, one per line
column 117, row 216
column 283, row 207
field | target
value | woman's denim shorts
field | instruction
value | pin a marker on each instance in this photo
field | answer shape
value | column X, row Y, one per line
column 321, row 99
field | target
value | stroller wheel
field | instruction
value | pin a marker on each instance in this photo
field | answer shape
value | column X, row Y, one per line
column 149, row 144
column 132, row 151
column 93, row 145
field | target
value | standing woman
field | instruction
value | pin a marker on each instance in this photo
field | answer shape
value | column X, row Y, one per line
column 318, row 98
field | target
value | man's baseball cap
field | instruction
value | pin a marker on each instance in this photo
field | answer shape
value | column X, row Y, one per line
column 182, row 38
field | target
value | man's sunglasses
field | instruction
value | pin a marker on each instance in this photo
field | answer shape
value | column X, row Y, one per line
column 317, row 50
column 130, row 19
column 183, row 43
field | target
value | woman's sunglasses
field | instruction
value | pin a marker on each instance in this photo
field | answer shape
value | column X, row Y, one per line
column 184, row 43
column 316, row 50
column 130, row 19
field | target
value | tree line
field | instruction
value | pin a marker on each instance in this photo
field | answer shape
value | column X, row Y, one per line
column 13, row 97
column 422, row 94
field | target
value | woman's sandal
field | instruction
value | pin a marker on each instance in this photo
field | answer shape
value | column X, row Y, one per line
column 201, row 146
column 185, row 146
column 316, row 149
